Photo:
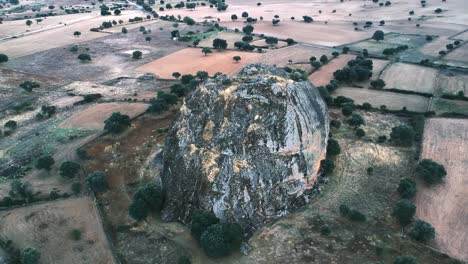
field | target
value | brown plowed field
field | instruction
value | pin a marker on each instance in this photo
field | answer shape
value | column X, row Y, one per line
column 191, row 60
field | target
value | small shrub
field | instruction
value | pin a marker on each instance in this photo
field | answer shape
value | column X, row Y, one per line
column 75, row 234
column 360, row 132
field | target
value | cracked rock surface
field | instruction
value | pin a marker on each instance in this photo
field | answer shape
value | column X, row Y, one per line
column 246, row 150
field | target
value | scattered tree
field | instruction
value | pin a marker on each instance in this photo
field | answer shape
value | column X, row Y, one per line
column 147, row 198
column 3, row 58
column 407, row 188
column 136, row 55
column 333, row 148
column 422, row 231
column 69, row 169
column 117, row 123
column 45, row 162
column 378, row 84
column 219, row 44
column 29, row 22
column 176, row 75
column 378, row 35
column 236, row 58
column 206, row 50
column 84, row 57
column 356, row 120
column 11, row 124
column 404, row 211
column 402, row 135
column 77, row 34
column 430, row 171
column 97, row 181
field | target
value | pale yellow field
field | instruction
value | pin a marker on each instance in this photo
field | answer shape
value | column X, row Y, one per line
column 393, row 101
column 445, row 206
column 47, row 228
column 94, row 116
column 60, row 36
column 410, row 77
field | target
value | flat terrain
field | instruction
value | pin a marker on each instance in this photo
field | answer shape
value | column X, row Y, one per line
column 452, row 82
column 230, row 37
column 393, row 101
column 331, row 34
column 440, row 105
column 191, row 60
column 410, row 78
column 445, row 206
column 47, row 227
column 94, row 116
column 296, row 53
column 58, row 36
column 458, row 54
column 325, row 74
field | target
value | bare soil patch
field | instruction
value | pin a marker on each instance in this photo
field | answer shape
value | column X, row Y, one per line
column 393, row 101
column 325, row 74
column 191, row 60
column 94, row 116
column 445, row 206
column 410, row 77
column 47, row 228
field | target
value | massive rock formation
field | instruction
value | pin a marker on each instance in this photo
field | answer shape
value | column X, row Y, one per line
column 246, row 150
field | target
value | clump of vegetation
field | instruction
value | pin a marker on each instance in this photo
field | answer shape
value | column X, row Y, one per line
column 84, row 57
column 30, row 256
column 29, row 85
column 45, row 162
column 96, row 181
column 405, row 260
column 358, row 70
column 69, row 169
column 407, row 188
column 352, row 214
column 378, row 84
column 422, row 231
column 162, row 102
column 75, row 234
column 3, row 58
column 148, row 198
column 216, row 239
column 136, row 55
column 402, row 135
column 430, row 171
column 404, row 211
column 356, row 120
column 117, row 123
column 333, row 148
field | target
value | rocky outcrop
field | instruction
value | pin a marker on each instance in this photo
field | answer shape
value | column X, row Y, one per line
column 246, row 150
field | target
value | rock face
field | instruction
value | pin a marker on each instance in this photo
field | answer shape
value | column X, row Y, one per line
column 246, row 150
